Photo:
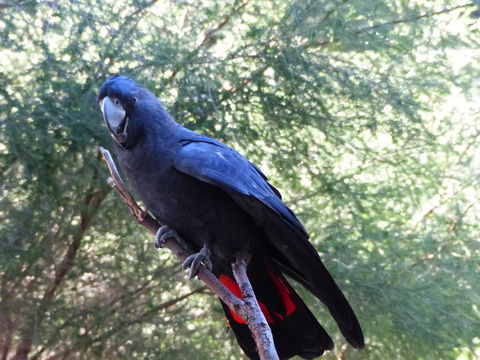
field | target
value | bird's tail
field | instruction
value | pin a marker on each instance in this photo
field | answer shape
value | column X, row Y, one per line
column 295, row 329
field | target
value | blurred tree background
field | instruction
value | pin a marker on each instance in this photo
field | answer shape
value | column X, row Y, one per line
column 365, row 114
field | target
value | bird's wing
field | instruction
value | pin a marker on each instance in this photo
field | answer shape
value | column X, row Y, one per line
column 219, row 165
column 215, row 163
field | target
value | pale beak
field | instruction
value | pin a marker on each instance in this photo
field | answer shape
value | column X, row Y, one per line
column 115, row 118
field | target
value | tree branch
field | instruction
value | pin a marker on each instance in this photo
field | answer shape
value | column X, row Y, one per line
column 209, row 37
column 341, row 353
column 392, row 22
column 6, row 334
column 121, row 326
column 247, row 308
column 92, row 202
column 254, row 316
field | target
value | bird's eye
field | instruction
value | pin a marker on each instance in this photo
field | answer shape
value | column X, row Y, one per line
column 117, row 102
column 134, row 99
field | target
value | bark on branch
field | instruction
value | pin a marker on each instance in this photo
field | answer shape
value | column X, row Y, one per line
column 247, row 308
column 253, row 315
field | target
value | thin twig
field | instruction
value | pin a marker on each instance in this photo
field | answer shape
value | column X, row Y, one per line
column 209, row 37
column 367, row 29
column 341, row 353
column 124, row 324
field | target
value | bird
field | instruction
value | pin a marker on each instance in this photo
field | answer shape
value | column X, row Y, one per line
column 222, row 206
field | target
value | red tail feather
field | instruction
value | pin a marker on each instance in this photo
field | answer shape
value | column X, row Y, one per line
column 235, row 289
column 284, row 291
column 295, row 330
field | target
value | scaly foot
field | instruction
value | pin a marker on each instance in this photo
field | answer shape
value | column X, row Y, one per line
column 195, row 260
column 164, row 233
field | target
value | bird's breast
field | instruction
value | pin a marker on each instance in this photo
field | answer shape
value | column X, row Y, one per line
column 196, row 209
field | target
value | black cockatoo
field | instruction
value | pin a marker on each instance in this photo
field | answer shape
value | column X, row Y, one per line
column 222, row 205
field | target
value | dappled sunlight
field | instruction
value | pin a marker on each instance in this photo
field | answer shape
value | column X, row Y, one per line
column 364, row 114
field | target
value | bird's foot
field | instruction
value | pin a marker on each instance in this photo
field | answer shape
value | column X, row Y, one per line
column 164, row 233
column 195, row 260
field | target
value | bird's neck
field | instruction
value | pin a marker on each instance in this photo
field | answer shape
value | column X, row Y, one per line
column 164, row 128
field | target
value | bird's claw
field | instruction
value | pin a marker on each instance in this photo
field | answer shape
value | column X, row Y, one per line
column 164, row 233
column 194, row 261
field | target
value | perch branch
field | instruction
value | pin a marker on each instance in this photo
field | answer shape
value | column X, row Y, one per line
column 247, row 308
column 255, row 319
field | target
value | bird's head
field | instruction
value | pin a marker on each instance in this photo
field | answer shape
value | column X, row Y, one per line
column 132, row 112
column 117, row 98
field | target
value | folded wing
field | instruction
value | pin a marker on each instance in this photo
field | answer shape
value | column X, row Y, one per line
column 215, row 163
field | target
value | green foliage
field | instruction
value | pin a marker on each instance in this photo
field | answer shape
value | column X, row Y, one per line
column 363, row 113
